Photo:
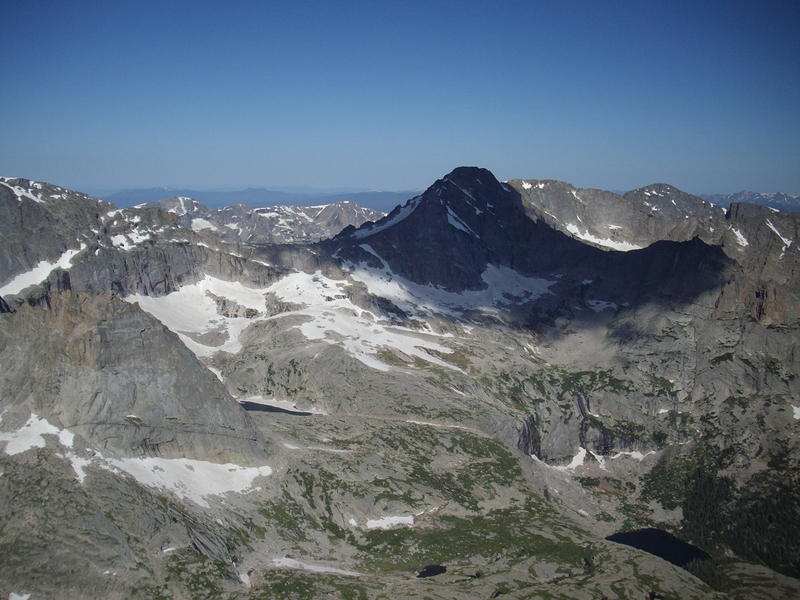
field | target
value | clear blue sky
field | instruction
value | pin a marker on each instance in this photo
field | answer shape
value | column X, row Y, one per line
column 391, row 95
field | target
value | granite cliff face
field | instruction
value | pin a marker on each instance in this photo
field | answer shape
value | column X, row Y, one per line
column 493, row 377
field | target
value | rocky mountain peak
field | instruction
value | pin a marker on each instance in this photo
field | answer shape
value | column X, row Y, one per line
column 673, row 203
column 178, row 205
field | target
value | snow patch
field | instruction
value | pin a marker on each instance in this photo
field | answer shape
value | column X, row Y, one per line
column 796, row 412
column 336, row 320
column 502, row 283
column 576, row 461
column 192, row 310
column 740, row 239
column 128, row 241
column 389, row 522
column 39, row 273
column 526, row 185
column 21, row 193
column 190, row 479
column 605, row 242
column 199, row 224
column 30, row 435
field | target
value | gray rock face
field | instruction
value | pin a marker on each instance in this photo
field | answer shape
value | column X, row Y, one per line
column 269, row 225
column 495, row 388
column 115, row 376
column 607, row 220
column 39, row 222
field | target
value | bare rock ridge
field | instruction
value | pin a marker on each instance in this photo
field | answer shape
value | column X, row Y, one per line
column 324, row 401
column 777, row 200
column 269, row 225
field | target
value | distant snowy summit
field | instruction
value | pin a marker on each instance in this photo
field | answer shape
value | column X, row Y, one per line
column 267, row 225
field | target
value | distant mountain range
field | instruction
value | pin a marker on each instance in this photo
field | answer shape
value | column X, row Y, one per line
column 276, row 224
column 777, row 200
column 376, row 200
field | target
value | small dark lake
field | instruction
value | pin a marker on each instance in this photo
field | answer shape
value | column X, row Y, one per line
column 662, row 544
column 432, row 570
column 255, row 407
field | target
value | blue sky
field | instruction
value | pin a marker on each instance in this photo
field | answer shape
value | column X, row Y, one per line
column 392, row 95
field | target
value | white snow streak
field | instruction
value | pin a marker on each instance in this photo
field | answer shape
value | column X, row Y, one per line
column 454, row 221
column 740, row 239
column 38, row 273
column 389, row 522
column 605, row 242
column 786, row 242
column 401, row 215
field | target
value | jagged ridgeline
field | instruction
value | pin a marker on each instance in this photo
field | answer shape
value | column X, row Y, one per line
column 460, row 399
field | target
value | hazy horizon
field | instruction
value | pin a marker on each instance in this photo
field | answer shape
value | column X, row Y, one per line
column 300, row 190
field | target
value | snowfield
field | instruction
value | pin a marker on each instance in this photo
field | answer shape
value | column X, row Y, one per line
column 191, row 309
column 186, row 478
column 39, row 273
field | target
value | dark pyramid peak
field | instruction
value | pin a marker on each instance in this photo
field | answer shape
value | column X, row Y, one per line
column 474, row 183
column 450, row 234
column 472, row 175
